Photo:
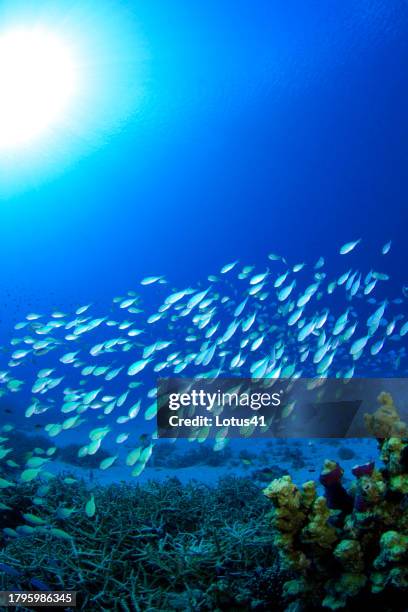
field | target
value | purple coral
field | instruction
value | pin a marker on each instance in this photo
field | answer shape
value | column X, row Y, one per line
column 336, row 495
column 365, row 469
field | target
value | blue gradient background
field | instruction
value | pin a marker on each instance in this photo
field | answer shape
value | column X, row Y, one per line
column 264, row 126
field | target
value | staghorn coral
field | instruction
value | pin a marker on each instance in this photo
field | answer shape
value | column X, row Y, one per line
column 349, row 547
column 158, row 546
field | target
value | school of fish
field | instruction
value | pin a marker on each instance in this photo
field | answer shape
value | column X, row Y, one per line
column 97, row 374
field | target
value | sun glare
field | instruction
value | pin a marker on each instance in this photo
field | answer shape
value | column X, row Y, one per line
column 37, row 83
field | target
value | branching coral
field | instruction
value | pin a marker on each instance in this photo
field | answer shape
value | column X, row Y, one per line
column 349, row 546
column 160, row 546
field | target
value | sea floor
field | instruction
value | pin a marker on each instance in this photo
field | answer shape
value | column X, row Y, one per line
column 303, row 460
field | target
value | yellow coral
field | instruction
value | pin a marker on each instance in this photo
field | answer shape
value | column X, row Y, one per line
column 287, row 518
column 372, row 487
column 348, row 585
column 399, row 483
column 329, row 465
column 391, row 454
column 339, row 552
column 308, row 493
column 318, row 531
column 283, row 491
column 385, row 421
column 287, row 500
column 394, row 548
column 350, row 555
column 398, row 578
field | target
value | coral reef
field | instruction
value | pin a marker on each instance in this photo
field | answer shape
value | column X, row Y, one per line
column 386, row 422
column 158, row 546
column 348, row 548
column 191, row 547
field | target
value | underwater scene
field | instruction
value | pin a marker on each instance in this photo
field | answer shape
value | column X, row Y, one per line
column 203, row 195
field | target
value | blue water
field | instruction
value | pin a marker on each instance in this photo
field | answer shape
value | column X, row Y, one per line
column 261, row 127
column 276, row 126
